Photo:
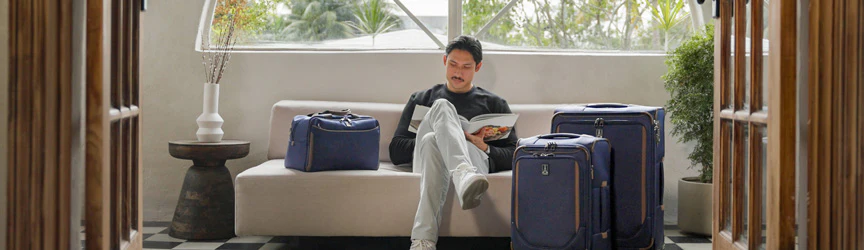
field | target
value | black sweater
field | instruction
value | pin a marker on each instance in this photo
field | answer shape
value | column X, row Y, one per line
column 475, row 102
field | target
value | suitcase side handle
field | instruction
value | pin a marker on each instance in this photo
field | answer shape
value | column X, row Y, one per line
column 559, row 136
column 607, row 106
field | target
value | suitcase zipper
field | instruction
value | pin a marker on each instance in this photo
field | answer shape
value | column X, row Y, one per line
column 599, row 123
column 344, row 131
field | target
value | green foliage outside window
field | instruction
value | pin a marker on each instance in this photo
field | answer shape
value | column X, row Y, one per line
column 374, row 18
column 577, row 24
column 612, row 25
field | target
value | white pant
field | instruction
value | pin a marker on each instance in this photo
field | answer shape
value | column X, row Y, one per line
column 439, row 148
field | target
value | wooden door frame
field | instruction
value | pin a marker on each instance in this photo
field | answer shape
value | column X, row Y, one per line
column 113, row 202
column 781, row 122
column 97, row 149
column 40, row 125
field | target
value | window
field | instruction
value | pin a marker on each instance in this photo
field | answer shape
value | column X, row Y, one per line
column 503, row 25
column 612, row 25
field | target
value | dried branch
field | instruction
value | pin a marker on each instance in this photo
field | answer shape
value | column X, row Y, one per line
column 215, row 57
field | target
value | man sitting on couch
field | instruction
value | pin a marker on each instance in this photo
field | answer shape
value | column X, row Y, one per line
column 442, row 148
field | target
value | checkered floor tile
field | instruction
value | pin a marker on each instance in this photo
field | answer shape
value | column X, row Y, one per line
column 156, row 237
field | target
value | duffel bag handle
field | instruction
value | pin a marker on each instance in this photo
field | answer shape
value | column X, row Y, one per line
column 607, row 105
column 344, row 112
column 559, row 136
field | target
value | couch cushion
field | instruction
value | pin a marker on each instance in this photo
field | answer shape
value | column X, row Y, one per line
column 273, row 200
column 533, row 120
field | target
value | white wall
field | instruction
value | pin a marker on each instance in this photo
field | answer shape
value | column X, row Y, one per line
column 4, row 113
column 171, row 74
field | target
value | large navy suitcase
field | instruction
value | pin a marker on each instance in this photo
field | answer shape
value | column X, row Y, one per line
column 333, row 140
column 636, row 134
column 560, row 193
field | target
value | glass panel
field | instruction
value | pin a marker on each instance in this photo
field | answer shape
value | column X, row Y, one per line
column 727, row 170
column 609, row 25
column 764, row 136
column 765, row 43
column 746, row 190
column 731, row 85
column 748, row 48
column 334, row 24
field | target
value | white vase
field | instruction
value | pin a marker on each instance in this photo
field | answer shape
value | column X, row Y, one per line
column 209, row 122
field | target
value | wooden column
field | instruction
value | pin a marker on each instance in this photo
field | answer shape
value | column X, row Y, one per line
column 836, row 183
column 40, row 124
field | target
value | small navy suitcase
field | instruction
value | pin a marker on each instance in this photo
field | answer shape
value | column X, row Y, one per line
column 636, row 134
column 560, row 193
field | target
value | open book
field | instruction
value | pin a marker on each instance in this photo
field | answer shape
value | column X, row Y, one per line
column 497, row 126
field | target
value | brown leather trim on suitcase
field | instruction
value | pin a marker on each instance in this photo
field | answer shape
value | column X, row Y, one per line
column 650, row 245
column 577, row 194
column 644, row 152
column 516, row 204
column 603, row 184
column 605, row 234
column 310, row 147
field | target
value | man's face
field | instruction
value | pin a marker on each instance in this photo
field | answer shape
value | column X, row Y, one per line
column 460, row 70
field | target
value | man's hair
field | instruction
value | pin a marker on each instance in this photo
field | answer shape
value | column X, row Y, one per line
column 467, row 43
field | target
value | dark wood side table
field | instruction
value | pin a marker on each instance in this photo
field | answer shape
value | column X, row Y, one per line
column 205, row 209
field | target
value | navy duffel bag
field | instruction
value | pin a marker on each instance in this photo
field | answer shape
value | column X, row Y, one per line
column 333, row 140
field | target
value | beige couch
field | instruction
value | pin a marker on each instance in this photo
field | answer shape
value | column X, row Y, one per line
column 273, row 200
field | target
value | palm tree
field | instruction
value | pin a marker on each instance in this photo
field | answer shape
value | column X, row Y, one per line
column 373, row 18
column 668, row 14
column 318, row 20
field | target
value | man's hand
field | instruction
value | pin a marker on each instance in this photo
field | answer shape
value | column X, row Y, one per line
column 477, row 140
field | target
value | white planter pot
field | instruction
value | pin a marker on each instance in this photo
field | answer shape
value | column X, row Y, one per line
column 695, row 207
column 209, row 122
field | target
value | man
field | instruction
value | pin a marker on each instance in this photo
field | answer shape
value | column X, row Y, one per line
column 441, row 150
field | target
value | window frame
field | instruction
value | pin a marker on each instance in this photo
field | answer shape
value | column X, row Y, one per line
column 454, row 23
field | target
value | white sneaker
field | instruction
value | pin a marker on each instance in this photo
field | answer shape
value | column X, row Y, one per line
column 469, row 185
column 422, row 245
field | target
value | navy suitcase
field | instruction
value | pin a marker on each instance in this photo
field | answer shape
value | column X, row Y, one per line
column 560, row 193
column 636, row 134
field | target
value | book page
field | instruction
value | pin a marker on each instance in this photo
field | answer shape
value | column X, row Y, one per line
column 497, row 126
column 419, row 113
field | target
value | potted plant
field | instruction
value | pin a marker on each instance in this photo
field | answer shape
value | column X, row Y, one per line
column 690, row 82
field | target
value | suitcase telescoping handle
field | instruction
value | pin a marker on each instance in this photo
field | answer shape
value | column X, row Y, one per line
column 607, row 106
column 559, row 136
